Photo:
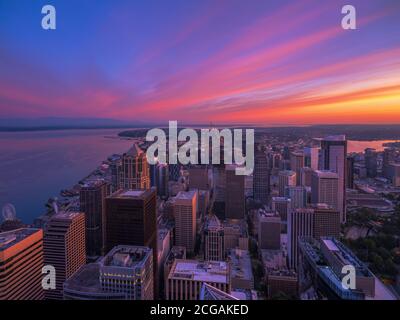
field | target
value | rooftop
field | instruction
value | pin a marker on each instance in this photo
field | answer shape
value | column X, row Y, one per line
column 126, row 256
column 208, row 271
column 139, row 194
column 86, row 279
column 10, row 238
column 326, row 174
column 134, row 151
column 186, row 195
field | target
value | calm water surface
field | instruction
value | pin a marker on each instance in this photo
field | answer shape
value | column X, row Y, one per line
column 35, row 166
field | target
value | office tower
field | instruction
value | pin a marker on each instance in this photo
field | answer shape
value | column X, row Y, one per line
column 185, row 209
column 174, row 172
column 300, row 223
column 297, row 196
column 320, row 272
column 64, row 247
column 116, row 171
column 198, row 178
column 135, row 172
column 333, row 158
column 371, row 162
column 311, row 157
column 394, row 173
column 235, row 203
column 389, row 156
column 186, row 278
column 326, row 221
column 317, row 221
column 287, row 178
column 21, row 263
column 241, row 272
column 282, row 205
column 161, row 180
column 305, row 176
column 128, row 270
column 296, row 163
column 261, row 177
column 92, row 203
column 324, row 188
column 269, row 230
column 213, row 239
column 131, row 219
column 350, row 173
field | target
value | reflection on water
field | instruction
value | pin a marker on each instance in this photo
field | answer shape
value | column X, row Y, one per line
column 360, row 146
column 37, row 165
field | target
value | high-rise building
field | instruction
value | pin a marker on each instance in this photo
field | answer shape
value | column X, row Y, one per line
column 287, row 178
column 128, row 270
column 186, row 278
column 371, row 162
column 92, row 203
column 21, row 263
column 305, row 176
column 198, row 178
column 269, row 230
column 131, row 219
column 64, row 247
column 350, row 172
column 213, row 239
column 311, row 157
column 317, row 221
column 300, row 223
column 394, row 173
column 333, row 158
column 235, row 235
column 185, row 209
column 261, row 178
column 161, row 180
column 389, row 156
column 324, row 188
column 235, row 204
column 298, row 196
column 282, row 205
column 296, row 163
column 135, row 173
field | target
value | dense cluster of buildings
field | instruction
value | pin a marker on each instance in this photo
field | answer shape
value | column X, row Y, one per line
column 175, row 232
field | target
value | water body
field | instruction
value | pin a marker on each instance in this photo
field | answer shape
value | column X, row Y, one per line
column 35, row 166
column 360, row 146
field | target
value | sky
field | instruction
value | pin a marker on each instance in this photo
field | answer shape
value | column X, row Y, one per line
column 265, row 62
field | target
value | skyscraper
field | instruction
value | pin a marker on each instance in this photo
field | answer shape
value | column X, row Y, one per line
column 213, row 239
column 21, row 263
column 269, row 231
column 185, row 208
column 324, row 188
column 311, row 157
column 131, row 219
column 261, row 175
column 287, row 178
column 350, row 172
column 92, row 203
column 298, row 196
column 317, row 221
column 371, row 162
column 235, row 204
column 282, row 205
column 64, row 247
column 333, row 158
column 135, row 172
column 296, row 163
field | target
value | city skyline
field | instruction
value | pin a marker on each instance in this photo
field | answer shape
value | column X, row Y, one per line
column 263, row 63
